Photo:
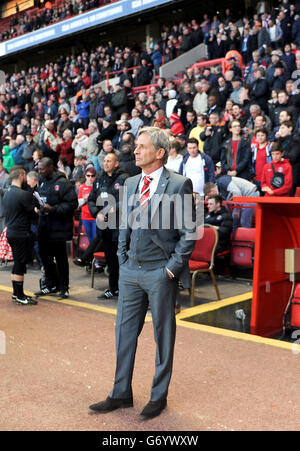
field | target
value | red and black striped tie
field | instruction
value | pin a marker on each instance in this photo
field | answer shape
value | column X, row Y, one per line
column 145, row 191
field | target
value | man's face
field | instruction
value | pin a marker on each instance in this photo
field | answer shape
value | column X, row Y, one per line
column 259, row 122
column 283, row 117
column 212, row 205
column 282, row 98
column 107, row 146
column 192, row 150
column 145, row 154
column 32, row 182
column 189, row 117
column 213, row 119
column 45, row 170
column 110, row 163
column 235, row 128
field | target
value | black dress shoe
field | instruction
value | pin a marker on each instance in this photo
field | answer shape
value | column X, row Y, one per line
column 152, row 409
column 111, row 404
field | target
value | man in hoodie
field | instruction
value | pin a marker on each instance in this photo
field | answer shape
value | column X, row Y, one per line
column 55, row 227
column 103, row 203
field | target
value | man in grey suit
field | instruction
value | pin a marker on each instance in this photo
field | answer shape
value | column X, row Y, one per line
column 156, row 239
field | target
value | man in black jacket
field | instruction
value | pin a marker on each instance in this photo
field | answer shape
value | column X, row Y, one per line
column 19, row 209
column 219, row 217
column 103, row 203
column 55, row 227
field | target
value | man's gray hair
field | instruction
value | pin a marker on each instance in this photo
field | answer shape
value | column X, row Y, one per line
column 33, row 175
column 159, row 139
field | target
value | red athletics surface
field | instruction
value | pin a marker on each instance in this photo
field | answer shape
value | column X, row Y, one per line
column 60, row 358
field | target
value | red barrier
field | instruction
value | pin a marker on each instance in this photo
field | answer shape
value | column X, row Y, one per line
column 277, row 229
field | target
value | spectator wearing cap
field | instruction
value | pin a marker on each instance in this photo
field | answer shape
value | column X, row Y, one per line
column 171, row 105
column 236, row 89
column 275, row 58
column 177, row 126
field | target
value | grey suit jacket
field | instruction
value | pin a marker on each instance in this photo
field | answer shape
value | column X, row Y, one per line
column 172, row 221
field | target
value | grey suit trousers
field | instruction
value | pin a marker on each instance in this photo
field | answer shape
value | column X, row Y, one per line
column 137, row 287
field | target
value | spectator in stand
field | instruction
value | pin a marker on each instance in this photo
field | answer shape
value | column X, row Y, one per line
column 290, row 143
column 197, row 166
column 259, row 90
column 260, row 154
column 278, row 165
column 190, row 121
column 63, row 123
column 174, row 158
column 119, row 101
column 92, row 149
column 64, row 147
column 213, row 137
column 80, row 142
column 171, row 105
column 83, row 110
column 177, row 126
column 200, row 99
column 198, row 129
column 221, row 219
column 88, row 222
column 235, row 153
column 135, row 121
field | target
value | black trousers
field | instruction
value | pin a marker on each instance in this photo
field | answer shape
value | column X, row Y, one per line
column 110, row 248
column 22, row 251
column 55, row 261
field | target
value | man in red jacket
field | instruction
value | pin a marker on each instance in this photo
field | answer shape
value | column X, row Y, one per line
column 282, row 168
column 64, row 148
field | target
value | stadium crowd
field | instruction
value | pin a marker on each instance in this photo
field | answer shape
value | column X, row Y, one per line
column 235, row 118
column 46, row 14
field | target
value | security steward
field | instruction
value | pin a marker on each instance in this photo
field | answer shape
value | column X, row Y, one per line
column 103, row 203
column 55, row 227
column 19, row 211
